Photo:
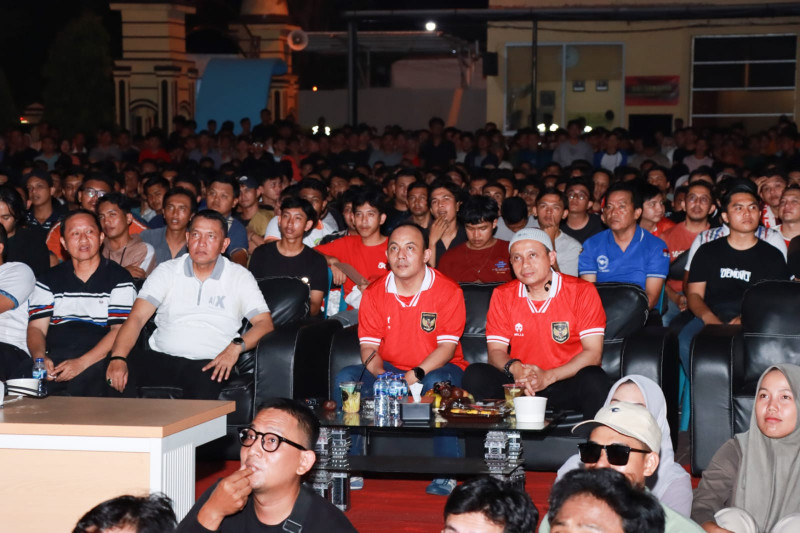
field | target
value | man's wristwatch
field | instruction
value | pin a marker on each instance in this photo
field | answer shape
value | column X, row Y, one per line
column 419, row 373
column 238, row 341
column 507, row 367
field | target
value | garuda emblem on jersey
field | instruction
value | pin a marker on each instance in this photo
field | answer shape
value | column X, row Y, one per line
column 427, row 322
column 559, row 331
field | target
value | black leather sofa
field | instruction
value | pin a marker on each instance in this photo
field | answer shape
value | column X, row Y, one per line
column 629, row 348
column 727, row 361
column 284, row 363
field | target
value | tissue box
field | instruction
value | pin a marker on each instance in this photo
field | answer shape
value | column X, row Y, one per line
column 417, row 412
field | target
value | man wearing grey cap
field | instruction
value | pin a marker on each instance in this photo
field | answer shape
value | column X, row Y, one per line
column 554, row 326
column 625, row 437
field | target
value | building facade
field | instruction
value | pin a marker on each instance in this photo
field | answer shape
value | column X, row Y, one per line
column 643, row 75
column 155, row 79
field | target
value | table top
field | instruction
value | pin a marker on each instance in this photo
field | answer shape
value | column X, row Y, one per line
column 107, row 417
column 356, row 420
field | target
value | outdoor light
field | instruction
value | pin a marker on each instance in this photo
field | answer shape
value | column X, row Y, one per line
column 542, row 127
column 553, row 127
column 430, row 25
column 23, row 120
column 315, row 88
column 314, row 129
column 587, row 129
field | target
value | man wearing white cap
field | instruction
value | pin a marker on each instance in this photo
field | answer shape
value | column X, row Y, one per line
column 625, row 437
column 554, row 325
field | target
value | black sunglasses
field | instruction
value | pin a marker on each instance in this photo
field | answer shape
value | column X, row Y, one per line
column 269, row 441
column 617, row 454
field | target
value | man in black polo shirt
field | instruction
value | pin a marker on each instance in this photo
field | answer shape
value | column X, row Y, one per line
column 289, row 256
column 77, row 308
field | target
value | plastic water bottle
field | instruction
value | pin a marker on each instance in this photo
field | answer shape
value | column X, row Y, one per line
column 395, row 393
column 381, row 390
column 40, row 373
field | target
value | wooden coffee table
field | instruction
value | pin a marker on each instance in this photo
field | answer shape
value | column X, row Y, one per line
column 61, row 456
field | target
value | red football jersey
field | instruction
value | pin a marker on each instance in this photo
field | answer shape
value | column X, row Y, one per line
column 548, row 333
column 370, row 261
column 408, row 328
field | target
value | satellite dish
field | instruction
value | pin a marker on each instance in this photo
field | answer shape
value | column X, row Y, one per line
column 297, row 40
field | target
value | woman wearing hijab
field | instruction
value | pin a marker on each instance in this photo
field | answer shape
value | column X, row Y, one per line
column 671, row 484
column 753, row 482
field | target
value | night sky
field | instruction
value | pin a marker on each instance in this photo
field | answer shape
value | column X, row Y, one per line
column 27, row 29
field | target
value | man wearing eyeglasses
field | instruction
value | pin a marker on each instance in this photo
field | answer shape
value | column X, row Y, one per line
column 266, row 493
column 89, row 193
column 581, row 223
column 625, row 437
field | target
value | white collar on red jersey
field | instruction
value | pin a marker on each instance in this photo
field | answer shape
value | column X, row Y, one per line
column 555, row 288
column 427, row 283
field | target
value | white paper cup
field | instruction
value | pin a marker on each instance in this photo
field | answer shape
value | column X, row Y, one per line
column 530, row 408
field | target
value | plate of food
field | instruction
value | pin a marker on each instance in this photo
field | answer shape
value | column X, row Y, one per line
column 485, row 412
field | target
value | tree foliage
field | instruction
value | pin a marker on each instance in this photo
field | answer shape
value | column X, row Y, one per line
column 79, row 88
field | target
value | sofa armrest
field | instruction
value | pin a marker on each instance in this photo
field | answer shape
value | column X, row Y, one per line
column 712, row 356
column 653, row 352
column 291, row 361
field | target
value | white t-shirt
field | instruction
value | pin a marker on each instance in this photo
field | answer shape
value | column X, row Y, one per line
column 195, row 319
column 322, row 229
column 568, row 249
column 16, row 283
column 504, row 233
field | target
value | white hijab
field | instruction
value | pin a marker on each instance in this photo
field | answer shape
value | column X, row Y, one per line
column 669, row 472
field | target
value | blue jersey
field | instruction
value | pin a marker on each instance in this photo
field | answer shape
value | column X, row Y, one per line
column 646, row 257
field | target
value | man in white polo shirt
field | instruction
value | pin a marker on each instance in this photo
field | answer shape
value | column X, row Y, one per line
column 200, row 300
column 16, row 285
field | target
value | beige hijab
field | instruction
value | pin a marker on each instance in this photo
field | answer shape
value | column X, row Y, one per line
column 769, row 477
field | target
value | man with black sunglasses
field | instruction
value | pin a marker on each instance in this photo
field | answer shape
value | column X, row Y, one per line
column 625, row 437
column 266, row 493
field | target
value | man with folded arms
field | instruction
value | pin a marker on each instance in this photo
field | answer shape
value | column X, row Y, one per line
column 200, row 300
column 554, row 326
column 625, row 437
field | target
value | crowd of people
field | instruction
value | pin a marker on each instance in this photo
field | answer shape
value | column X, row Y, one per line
column 99, row 236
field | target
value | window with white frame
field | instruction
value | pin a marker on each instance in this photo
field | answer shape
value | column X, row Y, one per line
column 742, row 78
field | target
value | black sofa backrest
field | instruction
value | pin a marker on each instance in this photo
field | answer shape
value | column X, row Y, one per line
column 770, row 330
column 287, row 298
column 626, row 313
column 473, row 342
column 626, row 310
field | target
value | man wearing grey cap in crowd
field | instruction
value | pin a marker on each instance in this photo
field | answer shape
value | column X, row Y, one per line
column 625, row 437
column 554, row 326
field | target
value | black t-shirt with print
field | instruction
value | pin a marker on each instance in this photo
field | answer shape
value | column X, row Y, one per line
column 729, row 272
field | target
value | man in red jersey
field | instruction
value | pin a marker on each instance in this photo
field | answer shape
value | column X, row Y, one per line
column 554, row 325
column 413, row 317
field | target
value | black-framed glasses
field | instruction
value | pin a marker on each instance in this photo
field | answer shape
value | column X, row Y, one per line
column 617, row 454
column 269, row 441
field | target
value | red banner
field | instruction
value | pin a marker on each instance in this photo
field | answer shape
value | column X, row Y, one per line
column 651, row 90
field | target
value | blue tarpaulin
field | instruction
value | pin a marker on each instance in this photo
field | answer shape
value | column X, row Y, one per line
column 232, row 89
